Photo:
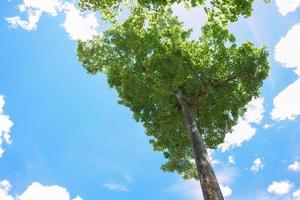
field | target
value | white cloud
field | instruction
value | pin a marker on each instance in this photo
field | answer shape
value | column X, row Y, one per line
column 78, row 25
column 29, row 25
column 36, row 191
column 296, row 195
column 244, row 131
column 286, row 6
column 286, row 106
column 210, row 156
column 255, row 110
column 34, row 9
column 4, row 190
column 48, row 6
column 280, row 188
column 116, row 187
column 267, row 126
column 77, row 198
column 231, row 160
column 257, row 165
column 5, row 126
column 286, row 103
column 226, row 190
column 286, row 50
column 295, row 166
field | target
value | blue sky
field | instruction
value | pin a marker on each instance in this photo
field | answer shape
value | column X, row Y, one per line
column 63, row 136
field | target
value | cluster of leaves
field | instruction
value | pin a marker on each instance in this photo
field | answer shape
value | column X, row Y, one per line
column 232, row 9
column 150, row 55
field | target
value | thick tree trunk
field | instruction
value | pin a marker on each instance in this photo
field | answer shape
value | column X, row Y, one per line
column 208, row 181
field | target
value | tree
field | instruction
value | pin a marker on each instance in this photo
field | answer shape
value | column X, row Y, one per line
column 232, row 9
column 187, row 93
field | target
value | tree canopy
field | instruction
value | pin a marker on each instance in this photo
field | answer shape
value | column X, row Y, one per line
column 232, row 9
column 150, row 56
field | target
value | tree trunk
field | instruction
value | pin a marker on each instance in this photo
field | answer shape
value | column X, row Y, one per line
column 208, row 181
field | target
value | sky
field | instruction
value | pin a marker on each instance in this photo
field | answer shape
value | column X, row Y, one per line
column 63, row 135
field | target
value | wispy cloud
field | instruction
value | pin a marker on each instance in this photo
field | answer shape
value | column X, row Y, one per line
column 231, row 160
column 210, row 153
column 188, row 189
column 128, row 178
column 191, row 189
column 78, row 25
column 227, row 175
column 116, row 187
column 34, row 9
column 267, row 126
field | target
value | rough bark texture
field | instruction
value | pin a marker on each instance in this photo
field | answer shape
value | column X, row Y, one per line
column 209, row 184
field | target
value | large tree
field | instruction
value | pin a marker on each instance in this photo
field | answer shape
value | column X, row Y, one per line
column 187, row 93
column 232, row 9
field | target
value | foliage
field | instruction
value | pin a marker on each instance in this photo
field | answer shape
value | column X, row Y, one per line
column 150, row 55
column 232, row 9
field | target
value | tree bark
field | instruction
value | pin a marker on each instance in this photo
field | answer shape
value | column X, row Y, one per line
column 208, row 181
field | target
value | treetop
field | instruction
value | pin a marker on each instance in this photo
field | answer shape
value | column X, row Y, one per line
column 149, row 56
column 232, row 9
